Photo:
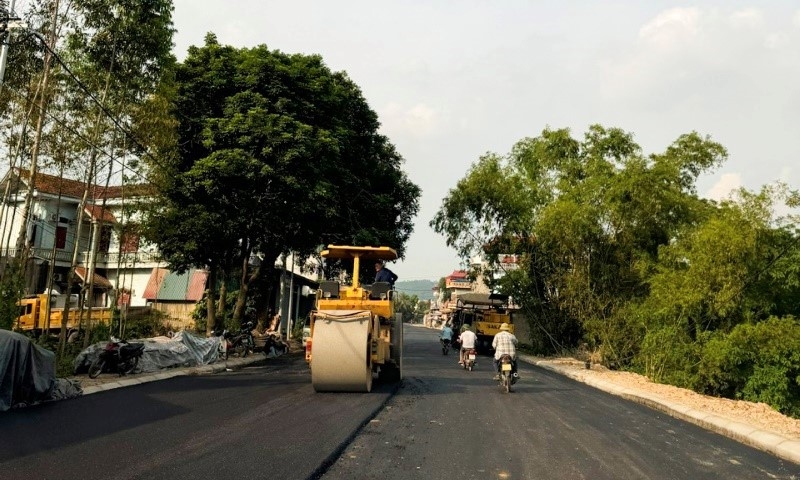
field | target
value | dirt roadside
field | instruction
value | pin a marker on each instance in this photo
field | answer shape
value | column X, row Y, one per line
column 758, row 415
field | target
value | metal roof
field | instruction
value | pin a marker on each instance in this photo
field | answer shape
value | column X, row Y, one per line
column 169, row 286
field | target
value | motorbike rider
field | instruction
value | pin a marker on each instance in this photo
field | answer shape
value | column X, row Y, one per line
column 467, row 340
column 504, row 343
column 447, row 335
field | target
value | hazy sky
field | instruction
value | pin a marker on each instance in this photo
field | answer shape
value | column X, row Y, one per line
column 452, row 80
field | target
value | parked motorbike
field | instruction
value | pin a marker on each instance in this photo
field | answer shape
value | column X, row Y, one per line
column 239, row 343
column 470, row 355
column 445, row 345
column 508, row 376
column 274, row 345
column 117, row 356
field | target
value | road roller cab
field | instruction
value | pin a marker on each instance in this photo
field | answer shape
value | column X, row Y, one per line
column 354, row 333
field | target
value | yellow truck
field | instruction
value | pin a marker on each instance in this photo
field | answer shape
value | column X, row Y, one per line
column 483, row 313
column 33, row 315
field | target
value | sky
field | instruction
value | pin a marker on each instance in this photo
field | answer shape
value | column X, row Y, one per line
column 452, row 80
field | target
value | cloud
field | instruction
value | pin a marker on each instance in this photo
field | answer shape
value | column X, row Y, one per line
column 747, row 18
column 417, row 120
column 725, row 186
column 672, row 27
column 776, row 40
column 796, row 19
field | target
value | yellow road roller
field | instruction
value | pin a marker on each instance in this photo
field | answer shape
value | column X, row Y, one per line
column 355, row 335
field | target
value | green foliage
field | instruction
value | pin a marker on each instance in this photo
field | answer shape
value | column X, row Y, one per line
column 421, row 288
column 276, row 153
column 757, row 362
column 200, row 313
column 409, row 306
column 616, row 250
column 145, row 326
column 11, row 290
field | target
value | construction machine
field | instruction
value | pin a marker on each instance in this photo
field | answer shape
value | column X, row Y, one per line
column 484, row 313
column 355, row 335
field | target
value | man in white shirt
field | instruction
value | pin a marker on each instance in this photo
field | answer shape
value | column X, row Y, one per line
column 467, row 339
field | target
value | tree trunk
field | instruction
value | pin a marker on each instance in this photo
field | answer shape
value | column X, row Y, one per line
column 37, row 139
column 223, row 293
column 211, row 285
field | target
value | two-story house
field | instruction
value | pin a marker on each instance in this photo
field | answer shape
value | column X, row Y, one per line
column 108, row 246
column 110, row 250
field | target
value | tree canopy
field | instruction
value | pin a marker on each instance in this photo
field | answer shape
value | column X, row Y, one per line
column 275, row 153
column 618, row 250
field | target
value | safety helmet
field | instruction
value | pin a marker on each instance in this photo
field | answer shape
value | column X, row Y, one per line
column 504, row 327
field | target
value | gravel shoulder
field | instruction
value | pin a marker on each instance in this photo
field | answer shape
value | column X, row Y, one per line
column 759, row 415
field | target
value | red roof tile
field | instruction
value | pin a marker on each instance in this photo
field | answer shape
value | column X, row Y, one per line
column 97, row 212
column 458, row 274
column 99, row 281
column 74, row 188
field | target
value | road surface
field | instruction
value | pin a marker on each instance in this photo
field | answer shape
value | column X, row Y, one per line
column 266, row 422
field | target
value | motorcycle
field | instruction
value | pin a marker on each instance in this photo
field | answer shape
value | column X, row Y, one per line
column 469, row 358
column 508, row 376
column 119, row 356
column 240, row 343
column 445, row 345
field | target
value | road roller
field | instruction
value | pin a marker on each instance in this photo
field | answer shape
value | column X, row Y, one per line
column 355, row 335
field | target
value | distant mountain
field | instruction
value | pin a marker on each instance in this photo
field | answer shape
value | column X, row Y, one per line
column 420, row 288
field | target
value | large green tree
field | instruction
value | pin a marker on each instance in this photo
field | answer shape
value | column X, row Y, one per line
column 618, row 250
column 586, row 216
column 277, row 154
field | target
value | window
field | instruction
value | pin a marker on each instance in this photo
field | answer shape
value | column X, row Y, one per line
column 61, row 236
column 129, row 243
column 105, row 239
column 34, row 230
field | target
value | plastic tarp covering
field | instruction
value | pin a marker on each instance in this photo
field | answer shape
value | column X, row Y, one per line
column 185, row 349
column 27, row 374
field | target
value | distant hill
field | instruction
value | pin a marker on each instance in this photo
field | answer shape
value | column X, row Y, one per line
column 420, row 288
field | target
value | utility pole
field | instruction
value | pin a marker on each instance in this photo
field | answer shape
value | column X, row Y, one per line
column 7, row 23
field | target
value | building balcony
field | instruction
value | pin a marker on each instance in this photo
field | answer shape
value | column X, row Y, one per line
column 123, row 259
column 104, row 260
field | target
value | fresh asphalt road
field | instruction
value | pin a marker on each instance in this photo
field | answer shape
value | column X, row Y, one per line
column 266, row 422
column 450, row 423
column 261, row 422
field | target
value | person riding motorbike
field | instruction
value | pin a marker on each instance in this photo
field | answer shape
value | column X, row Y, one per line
column 446, row 337
column 467, row 340
column 504, row 343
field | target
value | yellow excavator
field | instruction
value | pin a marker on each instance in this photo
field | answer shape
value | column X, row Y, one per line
column 355, row 335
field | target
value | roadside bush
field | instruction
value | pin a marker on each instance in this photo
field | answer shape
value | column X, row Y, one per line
column 668, row 355
column 200, row 313
column 756, row 362
column 151, row 324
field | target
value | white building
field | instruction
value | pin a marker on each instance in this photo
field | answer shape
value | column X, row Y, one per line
column 109, row 244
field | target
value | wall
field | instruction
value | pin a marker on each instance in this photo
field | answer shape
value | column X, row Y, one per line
column 134, row 280
column 180, row 314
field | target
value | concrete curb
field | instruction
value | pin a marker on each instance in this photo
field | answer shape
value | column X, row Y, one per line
column 771, row 442
column 231, row 364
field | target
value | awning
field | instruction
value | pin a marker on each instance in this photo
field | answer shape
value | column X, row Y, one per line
column 98, row 281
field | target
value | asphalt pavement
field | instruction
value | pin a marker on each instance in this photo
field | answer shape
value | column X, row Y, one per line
column 769, row 441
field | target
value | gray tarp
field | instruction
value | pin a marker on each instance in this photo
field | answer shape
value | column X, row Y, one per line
column 28, row 375
column 185, row 349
